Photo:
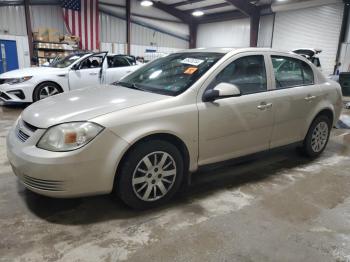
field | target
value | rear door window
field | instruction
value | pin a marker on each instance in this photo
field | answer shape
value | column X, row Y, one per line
column 291, row 72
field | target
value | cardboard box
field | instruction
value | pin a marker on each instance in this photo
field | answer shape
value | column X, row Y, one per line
column 43, row 33
column 41, row 53
column 70, row 39
column 54, row 35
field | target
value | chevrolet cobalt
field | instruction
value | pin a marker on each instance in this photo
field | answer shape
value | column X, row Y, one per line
column 142, row 136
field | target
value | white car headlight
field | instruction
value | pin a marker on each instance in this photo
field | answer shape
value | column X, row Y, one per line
column 13, row 81
column 69, row 136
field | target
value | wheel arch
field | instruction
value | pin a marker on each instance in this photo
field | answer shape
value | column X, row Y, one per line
column 46, row 81
column 171, row 138
column 327, row 111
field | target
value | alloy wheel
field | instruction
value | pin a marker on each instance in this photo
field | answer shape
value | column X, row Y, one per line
column 319, row 137
column 47, row 91
column 154, row 176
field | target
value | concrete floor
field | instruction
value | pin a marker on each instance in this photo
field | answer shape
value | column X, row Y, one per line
column 278, row 208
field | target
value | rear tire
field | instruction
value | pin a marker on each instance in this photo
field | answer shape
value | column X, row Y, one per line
column 317, row 136
column 45, row 90
column 150, row 174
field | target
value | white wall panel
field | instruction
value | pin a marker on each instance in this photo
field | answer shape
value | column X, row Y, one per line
column 47, row 16
column 317, row 27
column 112, row 29
column 140, row 50
column 141, row 35
column 114, row 48
column 22, row 49
column 265, row 31
column 233, row 33
column 12, row 20
column 175, row 28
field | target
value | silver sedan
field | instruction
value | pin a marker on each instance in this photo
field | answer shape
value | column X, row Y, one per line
column 142, row 136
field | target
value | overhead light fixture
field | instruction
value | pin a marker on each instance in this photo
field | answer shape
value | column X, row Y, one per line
column 146, row 3
column 198, row 13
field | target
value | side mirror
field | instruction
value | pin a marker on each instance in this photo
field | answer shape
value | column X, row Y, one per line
column 222, row 90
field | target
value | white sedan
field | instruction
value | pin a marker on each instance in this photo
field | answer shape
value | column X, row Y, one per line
column 73, row 72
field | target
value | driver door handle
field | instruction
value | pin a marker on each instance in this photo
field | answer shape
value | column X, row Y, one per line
column 309, row 98
column 264, row 106
column 93, row 74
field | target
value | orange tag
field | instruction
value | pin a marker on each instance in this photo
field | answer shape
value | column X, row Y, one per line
column 70, row 138
column 190, row 70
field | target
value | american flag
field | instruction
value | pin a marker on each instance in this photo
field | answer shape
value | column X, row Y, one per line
column 81, row 18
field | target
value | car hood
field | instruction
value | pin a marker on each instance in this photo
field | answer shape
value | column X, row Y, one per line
column 32, row 71
column 85, row 104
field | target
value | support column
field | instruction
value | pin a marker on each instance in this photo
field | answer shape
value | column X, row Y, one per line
column 29, row 30
column 254, row 29
column 128, row 27
column 193, row 34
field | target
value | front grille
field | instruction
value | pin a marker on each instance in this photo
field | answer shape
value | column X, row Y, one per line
column 24, row 130
column 29, row 126
column 22, row 136
column 43, row 184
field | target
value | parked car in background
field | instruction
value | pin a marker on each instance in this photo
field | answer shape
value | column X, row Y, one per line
column 141, row 137
column 311, row 55
column 72, row 72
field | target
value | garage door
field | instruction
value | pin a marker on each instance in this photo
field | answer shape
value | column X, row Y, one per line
column 316, row 27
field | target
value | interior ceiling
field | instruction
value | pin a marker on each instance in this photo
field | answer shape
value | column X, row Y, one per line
column 208, row 6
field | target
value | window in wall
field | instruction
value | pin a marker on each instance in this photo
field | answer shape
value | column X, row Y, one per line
column 247, row 73
column 291, row 72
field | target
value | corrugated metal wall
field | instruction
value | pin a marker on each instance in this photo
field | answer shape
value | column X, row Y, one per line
column 316, row 27
column 265, row 31
column 47, row 16
column 112, row 29
column 234, row 33
column 141, row 35
column 12, row 20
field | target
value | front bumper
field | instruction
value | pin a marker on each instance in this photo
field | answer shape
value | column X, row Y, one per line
column 10, row 93
column 87, row 171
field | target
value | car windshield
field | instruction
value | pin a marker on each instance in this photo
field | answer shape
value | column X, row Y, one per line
column 66, row 61
column 171, row 75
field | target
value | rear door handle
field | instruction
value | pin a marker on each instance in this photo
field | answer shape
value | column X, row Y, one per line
column 309, row 98
column 264, row 106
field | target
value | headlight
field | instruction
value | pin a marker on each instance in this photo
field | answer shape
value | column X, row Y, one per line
column 69, row 136
column 13, row 81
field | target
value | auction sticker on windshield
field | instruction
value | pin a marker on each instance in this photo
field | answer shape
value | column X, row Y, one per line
column 192, row 61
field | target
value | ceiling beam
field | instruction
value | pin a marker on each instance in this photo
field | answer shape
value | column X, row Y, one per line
column 173, row 11
column 187, row 2
column 220, row 17
column 245, row 7
column 208, row 7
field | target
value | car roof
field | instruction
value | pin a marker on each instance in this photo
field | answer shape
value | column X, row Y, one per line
column 226, row 50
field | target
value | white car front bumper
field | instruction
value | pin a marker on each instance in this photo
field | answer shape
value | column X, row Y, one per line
column 19, row 93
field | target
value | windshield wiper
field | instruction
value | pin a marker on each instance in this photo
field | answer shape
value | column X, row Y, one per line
column 130, row 85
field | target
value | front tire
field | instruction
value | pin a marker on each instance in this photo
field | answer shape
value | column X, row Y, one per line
column 317, row 137
column 150, row 175
column 45, row 90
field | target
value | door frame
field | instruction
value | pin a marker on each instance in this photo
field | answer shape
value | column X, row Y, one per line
column 4, row 48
